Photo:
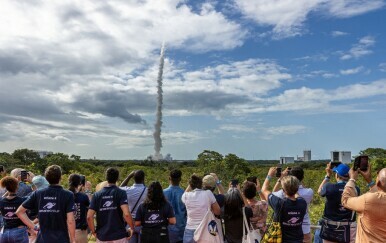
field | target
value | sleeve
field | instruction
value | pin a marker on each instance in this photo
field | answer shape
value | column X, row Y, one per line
column 138, row 214
column 123, row 198
column 350, row 199
column 274, row 202
column 212, row 199
column 183, row 197
column 93, row 203
column 31, row 202
column 70, row 204
column 169, row 211
column 323, row 192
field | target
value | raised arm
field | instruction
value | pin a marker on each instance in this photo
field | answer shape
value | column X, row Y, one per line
column 326, row 178
column 265, row 189
column 350, row 198
column 220, row 188
column 127, row 179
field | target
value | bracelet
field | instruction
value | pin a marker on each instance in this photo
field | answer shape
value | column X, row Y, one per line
column 353, row 180
column 372, row 183
column 268, row 177
column 218, row 182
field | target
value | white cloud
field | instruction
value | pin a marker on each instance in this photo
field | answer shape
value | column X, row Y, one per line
column 286, row 130
column 382, row 67
column 352, row 70
column 62, row 139
column 360, row 49
column 338, row 33
column 237, row 128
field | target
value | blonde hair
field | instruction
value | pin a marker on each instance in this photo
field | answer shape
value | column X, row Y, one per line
column 290, row 185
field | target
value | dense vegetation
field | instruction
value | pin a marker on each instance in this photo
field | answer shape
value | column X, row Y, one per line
column 226, row 167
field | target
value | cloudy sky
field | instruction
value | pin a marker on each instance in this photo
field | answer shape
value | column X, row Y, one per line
column 258, row 78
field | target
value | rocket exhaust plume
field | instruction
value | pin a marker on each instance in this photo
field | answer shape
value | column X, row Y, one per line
column 158, row 123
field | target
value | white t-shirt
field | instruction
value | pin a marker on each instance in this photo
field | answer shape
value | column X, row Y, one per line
column 197, row 203
column 307, row 194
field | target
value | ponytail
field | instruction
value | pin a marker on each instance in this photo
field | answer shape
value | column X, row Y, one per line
column 74, row 180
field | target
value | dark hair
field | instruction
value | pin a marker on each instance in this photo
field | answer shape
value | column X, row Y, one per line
column 10, row 183
column 249, row 189
column 195, row 182
column 74, row 180
column 53, row 174
column 233, row 204
column 139, row 177
column 298, row 172
column 112, row 175
column 155, row 197
column 175, row 176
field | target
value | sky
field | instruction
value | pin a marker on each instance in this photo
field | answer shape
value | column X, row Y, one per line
column 257, row 78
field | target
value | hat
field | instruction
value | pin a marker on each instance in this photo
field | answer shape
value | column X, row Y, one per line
column 208, row 181
column 342, row 170
column 40, row 182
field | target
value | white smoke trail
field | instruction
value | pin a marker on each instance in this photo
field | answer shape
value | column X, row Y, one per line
column 158, row 123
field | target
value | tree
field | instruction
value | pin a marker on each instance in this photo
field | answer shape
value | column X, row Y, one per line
column 235, row 166
column 26, row 156
column 374, row 153
column 210, row 161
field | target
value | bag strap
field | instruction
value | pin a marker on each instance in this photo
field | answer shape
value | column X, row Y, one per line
column 245, row 223
column 281, row 208
column 132, row 210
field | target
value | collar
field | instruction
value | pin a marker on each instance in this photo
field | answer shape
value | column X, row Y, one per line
column 171, row 186
column 55, row 186
column 341, row 182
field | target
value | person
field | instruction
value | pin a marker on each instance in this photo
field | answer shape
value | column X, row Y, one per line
column 305, row 193
column 55, row 210
column 197, row 202
column 88, row 189
column 210, row 182
column 135, row 196
column 39, row 182
column 23, row 189
column 336, row 218
column 173, row 194
column 259, row 208
column 112, row 211
column 233, row 215
column 14, row 230
column 81, row 204
column 100, row 186
column 154, row 215
column 371, row 206
column 289, row 211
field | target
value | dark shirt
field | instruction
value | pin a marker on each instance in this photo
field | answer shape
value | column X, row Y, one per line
column 234, row 226
column 220, row 198
column 23, row 190
column 8, row 209
column 109, row 216
column 53, row 203
column 154, row 218
column 291, row 217
column 333, row 209
column 81, row 205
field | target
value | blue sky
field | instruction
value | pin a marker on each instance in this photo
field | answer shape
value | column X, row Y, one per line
column 258, row 78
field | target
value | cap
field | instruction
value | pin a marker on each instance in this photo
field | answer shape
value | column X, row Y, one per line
column 208, row 181
column 342, row 170
column 40, row 182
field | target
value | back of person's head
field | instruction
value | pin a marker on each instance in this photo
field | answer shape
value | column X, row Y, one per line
column 139, row 177
column 381, row 183
column 53, row 174
column 175, row 176
column 290, row 185
column 249, row 190
column 342, row 172
column 100, row 185
column 155, row 197
column 195, row 182
column 112, row 175
column 74, row 181
column 298, row 172
column 15, row 173
column 40, row 182
column 233, row 204
column 10, row 183
column 209, row 183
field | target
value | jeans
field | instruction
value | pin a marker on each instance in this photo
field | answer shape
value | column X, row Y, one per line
column 136, row 238
column 188, row 236
column 176, row 235
column 14, row 235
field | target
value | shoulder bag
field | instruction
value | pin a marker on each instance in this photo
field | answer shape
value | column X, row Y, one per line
column 274, row 234
column 252, row 236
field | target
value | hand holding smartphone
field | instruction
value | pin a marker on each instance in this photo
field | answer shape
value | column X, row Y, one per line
column 278, row 172
column 234, row 182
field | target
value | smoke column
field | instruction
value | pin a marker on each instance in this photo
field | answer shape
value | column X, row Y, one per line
column 158, row 123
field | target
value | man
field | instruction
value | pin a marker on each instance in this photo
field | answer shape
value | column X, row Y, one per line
column 173, row 194
column 371, row 206
column 111, row 209
column 55, row 208
column 306, row 193
column 338, row 222
column 23, row 189
column 135, row 196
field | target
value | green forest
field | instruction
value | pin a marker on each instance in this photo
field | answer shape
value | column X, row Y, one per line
column 227, row 167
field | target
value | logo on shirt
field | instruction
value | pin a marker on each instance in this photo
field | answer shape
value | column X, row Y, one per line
column 49, row 205
column 107, row 204
column 293, row 220
column 9, row 214
column 153, row 217
column 212, row 228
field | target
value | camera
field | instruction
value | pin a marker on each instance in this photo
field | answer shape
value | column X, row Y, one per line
column 23, row 175
column 334, row 164
column 83, row 180
column 278, row 172
column 361, row 162
column 234, row 182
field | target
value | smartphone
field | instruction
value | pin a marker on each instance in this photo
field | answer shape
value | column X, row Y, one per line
column 334, row 164
column 234, row 182
column 23, row 175
column 1, row 168
column 252, row 179
column 278, row 172
column 361, row 162
column 83, row 180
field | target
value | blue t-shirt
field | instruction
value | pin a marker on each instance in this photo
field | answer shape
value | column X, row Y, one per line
column 53, row 203
column 23, row 190
column 291, row 217
column 8, row 209
column 154, row 218
column 107, row 205
column 174, row 194
column 333, row 209
column 81, row 205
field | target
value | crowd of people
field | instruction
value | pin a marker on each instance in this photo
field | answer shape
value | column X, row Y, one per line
column 38, row 209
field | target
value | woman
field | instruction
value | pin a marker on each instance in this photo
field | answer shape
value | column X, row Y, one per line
column 289, row 211
column 233, row 215
column 259, row 208
column 197, row 202
column 81, row 204
column 154, row 215
column 15, row 230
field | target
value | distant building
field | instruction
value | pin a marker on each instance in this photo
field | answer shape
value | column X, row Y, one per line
column 286, row 160
column 341, row 156
column 306, row 155
column 43, row 154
